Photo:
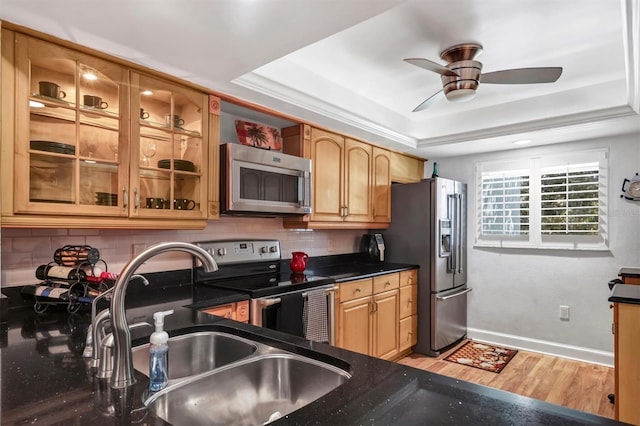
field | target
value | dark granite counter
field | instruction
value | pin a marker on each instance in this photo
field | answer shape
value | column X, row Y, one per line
column 625, row 293
column 45, row 380
column 348, row 267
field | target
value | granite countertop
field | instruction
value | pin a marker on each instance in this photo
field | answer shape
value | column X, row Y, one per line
column 45, row 379
column 625, row 293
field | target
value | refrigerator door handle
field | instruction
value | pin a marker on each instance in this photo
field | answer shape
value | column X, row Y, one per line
column 453, row 295
column 458, row 203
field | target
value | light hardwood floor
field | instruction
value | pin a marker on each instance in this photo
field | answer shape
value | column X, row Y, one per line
column 578, row 385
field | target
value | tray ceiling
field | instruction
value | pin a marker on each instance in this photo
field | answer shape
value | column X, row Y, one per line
column 338, row 63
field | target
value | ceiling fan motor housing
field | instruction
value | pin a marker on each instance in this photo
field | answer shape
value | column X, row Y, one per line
column 463, row 86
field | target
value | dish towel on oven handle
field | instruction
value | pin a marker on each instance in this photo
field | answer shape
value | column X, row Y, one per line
column 314, row 316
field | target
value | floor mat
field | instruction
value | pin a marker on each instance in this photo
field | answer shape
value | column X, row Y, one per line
column 483, row 356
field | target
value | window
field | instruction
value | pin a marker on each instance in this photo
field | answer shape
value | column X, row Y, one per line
column 556, row 201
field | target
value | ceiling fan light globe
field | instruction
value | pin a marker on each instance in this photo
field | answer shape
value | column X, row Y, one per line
column 460, row 95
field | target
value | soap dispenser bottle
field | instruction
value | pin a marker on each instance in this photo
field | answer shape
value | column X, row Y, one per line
column 158, row 351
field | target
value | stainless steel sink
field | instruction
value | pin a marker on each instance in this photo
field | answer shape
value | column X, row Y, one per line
column 257, row 390
column 197, row 353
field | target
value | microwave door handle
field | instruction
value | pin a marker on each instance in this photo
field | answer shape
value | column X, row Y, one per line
column 304, row 189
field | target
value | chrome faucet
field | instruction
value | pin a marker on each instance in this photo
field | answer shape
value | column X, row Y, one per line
column 123, row 375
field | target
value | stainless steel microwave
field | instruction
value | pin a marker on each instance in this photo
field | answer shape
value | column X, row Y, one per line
column 254, row 180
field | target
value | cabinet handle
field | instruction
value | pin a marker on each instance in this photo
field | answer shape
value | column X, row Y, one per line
column 374, row 307
column 346, row 211
column 387, row 283
column 136, row 199
column 125, row 197
column 358, row 290
column 611, row 306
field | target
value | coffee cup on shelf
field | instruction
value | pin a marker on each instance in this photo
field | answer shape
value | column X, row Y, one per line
column 143, row 114
column 95, row 102
column 176, row 120
column 50, row 90
column 156, row 203
column 184, row 204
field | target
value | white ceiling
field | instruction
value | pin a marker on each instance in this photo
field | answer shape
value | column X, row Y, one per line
column 339, row 63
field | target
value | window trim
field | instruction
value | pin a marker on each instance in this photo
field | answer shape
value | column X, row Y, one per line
column 535, row 239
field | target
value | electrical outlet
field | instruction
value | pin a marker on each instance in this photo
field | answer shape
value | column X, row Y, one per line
column 138, row 248
column 329, row 245
column 564, row 312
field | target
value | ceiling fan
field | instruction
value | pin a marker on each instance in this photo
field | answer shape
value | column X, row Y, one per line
column 461, row 77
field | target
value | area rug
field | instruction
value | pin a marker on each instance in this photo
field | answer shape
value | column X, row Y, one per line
column 483, row 356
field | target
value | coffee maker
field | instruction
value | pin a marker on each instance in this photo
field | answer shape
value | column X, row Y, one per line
column 373, row 245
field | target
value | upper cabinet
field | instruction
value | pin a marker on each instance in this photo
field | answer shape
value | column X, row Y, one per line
column 168, row 127
column 351, row 180
column 406, row 169
column 341, row 178
column 97, row 144
column 381, row 190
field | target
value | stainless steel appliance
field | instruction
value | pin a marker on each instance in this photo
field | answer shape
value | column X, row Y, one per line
column 373, row 245
column 254, row 267
column 254, row 180
column 428, row 228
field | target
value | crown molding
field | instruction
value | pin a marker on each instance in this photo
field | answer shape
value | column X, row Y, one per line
column 296, row 98
column 570, row 122
column 631, row 40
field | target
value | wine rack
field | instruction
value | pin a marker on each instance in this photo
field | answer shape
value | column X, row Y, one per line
column 75, row 277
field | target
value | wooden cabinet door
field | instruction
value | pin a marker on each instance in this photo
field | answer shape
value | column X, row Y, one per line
column 381, row 190
column 358, row 177
column 69, row 128
column 353, row 328
column 327, row 152
column 408, row 332
column 225, row 311
column 627, row 368
column 385, row 325
column 408, row 300
column 169, row 150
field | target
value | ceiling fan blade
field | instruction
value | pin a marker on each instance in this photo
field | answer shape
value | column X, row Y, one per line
column 522, row 76
column 431, row 66
column 430, row 101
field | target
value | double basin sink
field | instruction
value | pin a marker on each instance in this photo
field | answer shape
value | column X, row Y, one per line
column 220, row 378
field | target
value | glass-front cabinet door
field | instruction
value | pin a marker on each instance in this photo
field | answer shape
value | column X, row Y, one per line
column 71, row 126
column 169, row 155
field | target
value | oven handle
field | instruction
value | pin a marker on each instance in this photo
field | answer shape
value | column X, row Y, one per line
column 257, row 305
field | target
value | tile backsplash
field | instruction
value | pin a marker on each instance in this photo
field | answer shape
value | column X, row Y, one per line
column 24, row 249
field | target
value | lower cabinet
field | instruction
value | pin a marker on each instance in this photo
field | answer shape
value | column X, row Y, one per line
column 627, row 368
column 368, row 316
column 408, row 309
column 238, row 311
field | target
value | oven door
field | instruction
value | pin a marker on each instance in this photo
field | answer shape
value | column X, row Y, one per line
column 264, row 312
column 262, row 181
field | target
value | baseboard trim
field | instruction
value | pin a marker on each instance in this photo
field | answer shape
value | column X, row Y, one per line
column 542, row 346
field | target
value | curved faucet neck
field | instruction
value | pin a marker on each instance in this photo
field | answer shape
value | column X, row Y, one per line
column 123, row 374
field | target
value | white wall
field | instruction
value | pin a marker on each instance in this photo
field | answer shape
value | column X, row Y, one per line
column 516, row 293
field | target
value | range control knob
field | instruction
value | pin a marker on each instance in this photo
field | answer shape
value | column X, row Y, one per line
column 222, row 251
column 273, row 249
column 264, row 249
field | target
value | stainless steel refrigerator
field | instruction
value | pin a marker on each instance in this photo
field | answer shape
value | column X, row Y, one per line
column 429, row 228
